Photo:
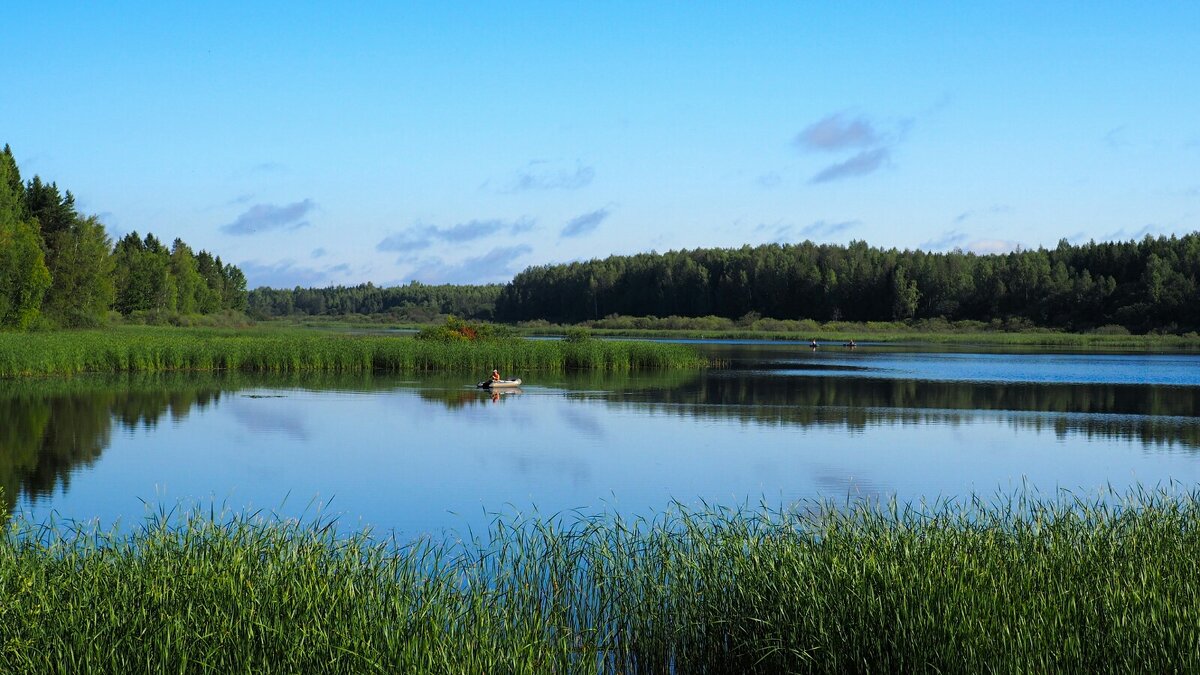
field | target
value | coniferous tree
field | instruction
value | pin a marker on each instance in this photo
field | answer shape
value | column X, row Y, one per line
column 24, row 277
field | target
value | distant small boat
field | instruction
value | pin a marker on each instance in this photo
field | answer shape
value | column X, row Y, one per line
column 499, row 384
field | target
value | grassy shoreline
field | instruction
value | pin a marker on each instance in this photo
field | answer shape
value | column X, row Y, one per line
column 840, row 334
column 1027, row 584
column 155, row 349
column 920, row 332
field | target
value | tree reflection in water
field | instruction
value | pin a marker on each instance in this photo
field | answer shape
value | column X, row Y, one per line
column 52, row 428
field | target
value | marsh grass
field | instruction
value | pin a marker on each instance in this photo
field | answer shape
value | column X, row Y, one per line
column 155, row 349
column 1023, row 584
column 918, row 332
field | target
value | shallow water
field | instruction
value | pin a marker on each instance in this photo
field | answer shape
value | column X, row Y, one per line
column 427, row 454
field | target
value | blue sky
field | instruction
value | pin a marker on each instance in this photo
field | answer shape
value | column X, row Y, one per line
column 318, row 144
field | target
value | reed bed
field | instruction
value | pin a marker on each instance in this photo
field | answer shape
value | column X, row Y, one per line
column 840, row 334
column 1024, row 584
column 151, row 349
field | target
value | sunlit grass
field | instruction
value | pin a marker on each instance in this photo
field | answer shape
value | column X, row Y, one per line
column 932, row 331
column 1019, row 585
column 150, row 349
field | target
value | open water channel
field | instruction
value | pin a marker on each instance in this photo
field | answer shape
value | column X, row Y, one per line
column 431, row 454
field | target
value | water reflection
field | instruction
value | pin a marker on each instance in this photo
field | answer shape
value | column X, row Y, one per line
column 52, row 429
column 455, row 398
column 55, row 427
column 1155, row 415
column 570, row 432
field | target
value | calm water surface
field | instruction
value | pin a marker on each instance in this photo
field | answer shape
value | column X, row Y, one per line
column 426, row 454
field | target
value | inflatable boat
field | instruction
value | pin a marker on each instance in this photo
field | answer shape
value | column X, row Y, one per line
column 499, row 384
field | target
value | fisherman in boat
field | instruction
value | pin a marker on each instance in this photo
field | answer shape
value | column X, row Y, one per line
column 851, row 344
column 813, row 343
column 495, row 375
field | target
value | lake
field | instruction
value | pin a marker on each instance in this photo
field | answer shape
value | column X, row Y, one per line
column 778, row 423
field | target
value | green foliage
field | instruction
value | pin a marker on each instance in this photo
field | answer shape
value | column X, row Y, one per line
column 233, row 283
column 415, row 302
column 1012, row 332
column 24, row 277
column 458, row 330
column 1020, row 585
column 905, row 295
column 152, row 349
column 76, row 276
column 577, row 334
column 1142, row 285
column 82, row 290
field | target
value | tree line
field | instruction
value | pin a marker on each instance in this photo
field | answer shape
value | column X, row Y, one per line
column 1143, row 285
column 60, row 267
column 412, row 302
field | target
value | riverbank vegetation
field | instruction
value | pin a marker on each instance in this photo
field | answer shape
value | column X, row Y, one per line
column 927, row 331
column 59, row 268
column 155, row 349
column 1133, row 286
column 1023, row 584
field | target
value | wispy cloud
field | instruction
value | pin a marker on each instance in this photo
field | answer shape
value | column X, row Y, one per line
column 319, row 252
column 861, row 164
column 1117, row 138
column 288, row 273
column 547, row 175
column 836, row 133
column 580, row 225
column 958, row 240
column 262, row 416
column 477, row 229
column 412, row 239
column 973, row 213
column 498, row 264
column 267, row 217
column 769, row 180
column 821, row 229
column 947, row 240
column 422, row 236
column 992, row 246
column 1127, row 233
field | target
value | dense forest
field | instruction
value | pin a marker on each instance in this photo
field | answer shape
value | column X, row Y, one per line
column 59, row 267
column 413, row 302
column 1142, row 285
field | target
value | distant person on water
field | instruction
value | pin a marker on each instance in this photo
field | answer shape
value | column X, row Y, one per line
column 813, row 343
column 851, row 344
column 495, row 376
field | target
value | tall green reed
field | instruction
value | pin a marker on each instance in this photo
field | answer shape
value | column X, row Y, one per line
column 150, row 349
column 1024, row 583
